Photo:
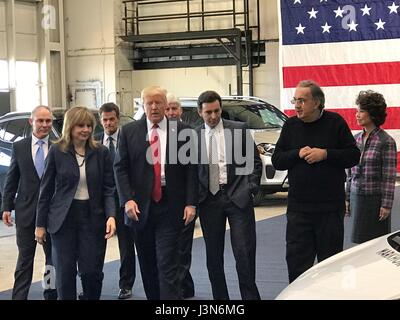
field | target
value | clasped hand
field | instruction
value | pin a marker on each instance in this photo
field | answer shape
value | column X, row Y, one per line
column 312, row 155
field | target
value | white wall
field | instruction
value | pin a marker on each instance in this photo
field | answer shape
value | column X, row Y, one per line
column 26, row 31
column 3, row 39
column 269, row 19
column 186, row 82
column 89, row 43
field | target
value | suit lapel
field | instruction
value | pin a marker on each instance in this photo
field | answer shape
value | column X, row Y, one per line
column 142, row 134
column 31, row 163
column 203, row 165
column 229, row 145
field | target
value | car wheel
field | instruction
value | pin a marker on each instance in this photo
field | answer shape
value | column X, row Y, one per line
column 258, row 198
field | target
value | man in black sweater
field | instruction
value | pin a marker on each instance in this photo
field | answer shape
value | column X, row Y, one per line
column 315, row 146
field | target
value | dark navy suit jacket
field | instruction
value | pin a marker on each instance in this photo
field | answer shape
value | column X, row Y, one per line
column 22, row 180
column 134, row 174
column 239, row 187
column 60, row 181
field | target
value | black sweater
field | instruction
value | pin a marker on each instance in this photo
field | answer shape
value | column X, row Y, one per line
column 320, row 186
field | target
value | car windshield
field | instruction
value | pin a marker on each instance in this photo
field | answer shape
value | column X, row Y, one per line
column 257, row 116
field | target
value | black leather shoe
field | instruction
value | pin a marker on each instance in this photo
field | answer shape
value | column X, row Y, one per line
column 50, row 294
column 187, row 294
column 124, row 294
column 81, row 296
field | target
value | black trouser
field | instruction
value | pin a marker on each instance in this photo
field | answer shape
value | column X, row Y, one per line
column 310, row 235
column 157, row 248
column 79, row 242
column 185, row 243
column 126, row 244
column 24, row 270
column 213, row 214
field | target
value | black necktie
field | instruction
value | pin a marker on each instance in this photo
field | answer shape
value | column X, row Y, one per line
column 111, row 147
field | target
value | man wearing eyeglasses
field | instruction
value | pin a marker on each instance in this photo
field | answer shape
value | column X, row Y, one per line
column 315, row 146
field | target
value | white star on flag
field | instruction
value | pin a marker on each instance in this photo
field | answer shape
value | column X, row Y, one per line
column 366, row 10
column 339, row 12
column 297, row 1
column 323, row 0
column 393, row 8
column 326, row 28
column 380, row 24
column 352, row 26
column 312, row 13
column 300, row 29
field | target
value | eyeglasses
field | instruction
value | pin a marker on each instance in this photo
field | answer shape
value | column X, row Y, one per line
column 299, row 101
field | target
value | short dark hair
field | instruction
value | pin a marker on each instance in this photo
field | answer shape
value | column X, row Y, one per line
column 109, row 107
column 207, row 97
column 316, row 91
column 374, row 103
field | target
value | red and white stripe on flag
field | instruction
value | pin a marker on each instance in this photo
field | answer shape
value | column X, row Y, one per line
column 343, row 69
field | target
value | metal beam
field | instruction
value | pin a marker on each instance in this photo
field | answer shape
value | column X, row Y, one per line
column 145, row 52
column 239, row 73
column 190, row 50
column 184, row 64
column 179, row 36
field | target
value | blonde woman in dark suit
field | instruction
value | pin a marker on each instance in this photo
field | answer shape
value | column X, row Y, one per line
column 76, row 205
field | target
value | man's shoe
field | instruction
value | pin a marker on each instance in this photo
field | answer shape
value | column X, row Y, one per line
column 81, row 296
column 50, row 294
column 187, row 294
column 124, row 294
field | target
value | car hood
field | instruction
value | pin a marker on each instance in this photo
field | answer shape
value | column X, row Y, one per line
column 266, row 136
column 366, row 271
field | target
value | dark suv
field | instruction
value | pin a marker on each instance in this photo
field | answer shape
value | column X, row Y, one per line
column 15, row 126
column 265, row 122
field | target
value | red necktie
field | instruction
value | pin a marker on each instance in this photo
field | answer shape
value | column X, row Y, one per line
column 156, row 155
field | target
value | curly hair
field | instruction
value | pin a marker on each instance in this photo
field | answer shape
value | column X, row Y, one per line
column 374, row 103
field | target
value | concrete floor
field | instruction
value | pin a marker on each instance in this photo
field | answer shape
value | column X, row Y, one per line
column 272, row 206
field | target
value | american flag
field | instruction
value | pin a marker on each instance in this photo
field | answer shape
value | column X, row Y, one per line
column 345, row 46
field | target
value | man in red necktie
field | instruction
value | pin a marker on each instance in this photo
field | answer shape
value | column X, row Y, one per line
column 158, row 190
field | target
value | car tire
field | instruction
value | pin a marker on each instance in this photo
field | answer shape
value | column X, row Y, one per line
column 258, row 198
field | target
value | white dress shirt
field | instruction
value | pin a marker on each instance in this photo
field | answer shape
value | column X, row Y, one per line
column 114, row 136
column 162, row 133
column 220, row 140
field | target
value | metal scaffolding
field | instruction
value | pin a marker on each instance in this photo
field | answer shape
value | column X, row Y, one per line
column 236, row 42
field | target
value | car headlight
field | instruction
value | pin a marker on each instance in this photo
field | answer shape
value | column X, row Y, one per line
column 266, row 149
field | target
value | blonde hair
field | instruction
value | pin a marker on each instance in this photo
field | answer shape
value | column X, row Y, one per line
column 74, row 117
column 153, row 90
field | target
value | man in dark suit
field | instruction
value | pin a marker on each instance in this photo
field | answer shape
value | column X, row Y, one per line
column 229, row 176
column 158, row 190
column 109, row 117
column 173, row 111
column 23, row 180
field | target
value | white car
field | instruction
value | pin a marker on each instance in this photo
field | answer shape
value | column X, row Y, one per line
column 264, row 119
column 369, row 271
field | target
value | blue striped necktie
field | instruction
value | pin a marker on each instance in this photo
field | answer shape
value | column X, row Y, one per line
column 39, row 158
